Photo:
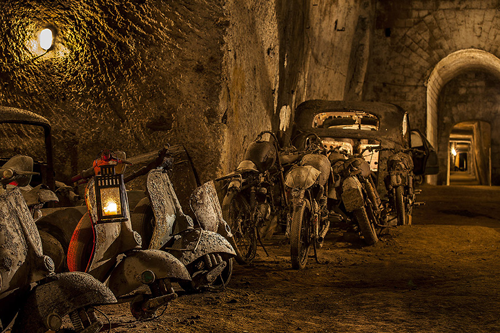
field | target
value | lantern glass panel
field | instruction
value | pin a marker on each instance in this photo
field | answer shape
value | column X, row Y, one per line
column 110, row 201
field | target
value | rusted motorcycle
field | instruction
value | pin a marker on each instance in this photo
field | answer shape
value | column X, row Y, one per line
column 359, row 197
column 255, row 194
column 201, row 245
column 105, row 245
column 32, row 297
column 307, row 184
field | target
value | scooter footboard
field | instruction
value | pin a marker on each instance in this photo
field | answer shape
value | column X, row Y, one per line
column 128, row 274
column 61, row 295
column 197, row 243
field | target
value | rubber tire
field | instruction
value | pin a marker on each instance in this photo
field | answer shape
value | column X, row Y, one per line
column 403, row 218
column 190, row 288
column 298, row 250
column 367, row 228
column 228, row 204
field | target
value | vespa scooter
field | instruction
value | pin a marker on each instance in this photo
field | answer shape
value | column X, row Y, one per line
column 202, row 248
column 105, row 245
column 32, row 297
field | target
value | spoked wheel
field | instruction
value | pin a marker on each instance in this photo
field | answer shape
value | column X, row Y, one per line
column 367, row 228
column 236, row 211
column 205, row 276
column 300, row 235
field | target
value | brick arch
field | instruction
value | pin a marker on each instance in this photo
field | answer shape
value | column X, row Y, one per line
column 449, row 67
column 439, row 34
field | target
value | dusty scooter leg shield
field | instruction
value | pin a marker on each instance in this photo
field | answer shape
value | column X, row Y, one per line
column 206, row 253
column 137, row 267
column 29, row 286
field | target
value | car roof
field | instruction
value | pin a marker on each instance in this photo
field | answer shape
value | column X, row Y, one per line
column 14, row 115
column 390, row 118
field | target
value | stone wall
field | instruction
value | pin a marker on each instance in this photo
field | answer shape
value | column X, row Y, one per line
column 411, row 37
column 129, row 75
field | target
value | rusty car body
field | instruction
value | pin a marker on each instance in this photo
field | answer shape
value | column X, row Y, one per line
column 381, row 131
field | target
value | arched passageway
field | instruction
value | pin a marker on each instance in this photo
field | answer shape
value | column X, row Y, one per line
column 471, row 74
column 470, row 150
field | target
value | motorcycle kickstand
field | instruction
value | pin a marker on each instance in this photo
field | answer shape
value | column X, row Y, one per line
column 260, row 242
column 316, row 254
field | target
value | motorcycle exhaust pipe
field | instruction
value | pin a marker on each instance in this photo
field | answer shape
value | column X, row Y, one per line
column 322, row 235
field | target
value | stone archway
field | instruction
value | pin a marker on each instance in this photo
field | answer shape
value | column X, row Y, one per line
column 449, row 67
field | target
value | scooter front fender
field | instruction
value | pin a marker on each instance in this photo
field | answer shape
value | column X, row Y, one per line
column 60, row 295
column 127, row 276
column 195, row 243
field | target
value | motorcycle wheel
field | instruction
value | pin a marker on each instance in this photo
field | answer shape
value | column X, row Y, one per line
column 367, row 228
column 236, row 212
column 300, row 236
column 194, row 286
column 402, row 213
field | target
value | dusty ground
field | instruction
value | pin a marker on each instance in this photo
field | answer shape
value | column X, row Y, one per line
column 439, row 275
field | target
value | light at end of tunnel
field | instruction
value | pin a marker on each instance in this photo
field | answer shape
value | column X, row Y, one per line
column 453, row 151
column 46, row 39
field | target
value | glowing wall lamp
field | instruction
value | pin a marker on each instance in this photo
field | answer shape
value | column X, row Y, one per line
column 46, row 39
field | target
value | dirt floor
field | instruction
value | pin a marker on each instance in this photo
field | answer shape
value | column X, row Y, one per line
column 439, row 275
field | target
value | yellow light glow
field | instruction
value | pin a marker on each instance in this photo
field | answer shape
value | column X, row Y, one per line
column 453, row 151
column 111, row 208
column 46, row 39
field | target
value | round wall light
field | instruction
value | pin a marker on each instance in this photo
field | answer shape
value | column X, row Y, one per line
column 46, row 39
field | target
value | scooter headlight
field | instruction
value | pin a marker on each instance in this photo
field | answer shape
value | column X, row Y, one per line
column 54, row 321
column 8, row 174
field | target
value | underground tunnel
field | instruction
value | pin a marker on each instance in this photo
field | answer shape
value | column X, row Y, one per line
column 153, row 153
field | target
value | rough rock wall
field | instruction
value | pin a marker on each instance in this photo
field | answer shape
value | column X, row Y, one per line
column 470, row 97
column 209, row 74
column 251, row 75
column 326, row 54
column 130, row 75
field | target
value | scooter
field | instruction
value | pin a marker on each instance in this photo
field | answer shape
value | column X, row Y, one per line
column 202, row 248
column 32, row 297
column 105, row 245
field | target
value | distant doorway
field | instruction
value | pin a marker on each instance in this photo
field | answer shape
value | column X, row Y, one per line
column 470, row 154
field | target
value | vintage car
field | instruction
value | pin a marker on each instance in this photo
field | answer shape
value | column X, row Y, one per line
column 379, row 131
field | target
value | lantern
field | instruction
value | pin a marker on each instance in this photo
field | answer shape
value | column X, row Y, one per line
column 110, row 195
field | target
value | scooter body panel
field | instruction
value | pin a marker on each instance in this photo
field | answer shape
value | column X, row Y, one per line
column 207, row 210
column 126, row 277
column 62, row 294
column 21, row 250
column 195, row 243
column 169, row 217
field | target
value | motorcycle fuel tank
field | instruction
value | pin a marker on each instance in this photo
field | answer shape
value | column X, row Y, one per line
column 262, row 154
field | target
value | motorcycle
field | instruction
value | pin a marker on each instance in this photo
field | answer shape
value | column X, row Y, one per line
column 255, row 194
column 105, row 245
column 359, row 197
column 307, row 184
column 32, row 297
column 400, row 185
column 203, row 248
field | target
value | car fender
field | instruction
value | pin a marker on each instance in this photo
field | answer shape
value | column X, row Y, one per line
column 58, row 296
column 195, row 243
column 127, row 275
